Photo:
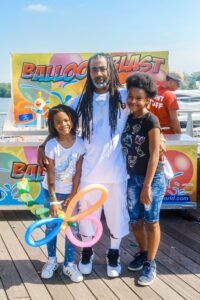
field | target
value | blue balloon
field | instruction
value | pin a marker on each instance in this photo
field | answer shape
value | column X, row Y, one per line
column 46, row 239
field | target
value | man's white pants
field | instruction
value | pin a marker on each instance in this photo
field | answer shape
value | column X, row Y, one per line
column 115, row 210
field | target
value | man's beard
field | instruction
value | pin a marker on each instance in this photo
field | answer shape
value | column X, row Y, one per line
column 101, row 86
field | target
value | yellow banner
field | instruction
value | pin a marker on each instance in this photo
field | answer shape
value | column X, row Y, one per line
column 40, row 81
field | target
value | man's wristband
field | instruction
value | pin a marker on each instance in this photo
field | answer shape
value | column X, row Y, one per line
column 41, row 147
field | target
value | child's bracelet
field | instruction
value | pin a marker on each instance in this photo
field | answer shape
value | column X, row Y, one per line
column 52, row 194
column 56, row 203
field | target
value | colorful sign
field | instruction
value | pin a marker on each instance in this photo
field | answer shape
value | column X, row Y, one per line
column 15, row 163
column 182, row 188
column 41, row 81
column 19, row 162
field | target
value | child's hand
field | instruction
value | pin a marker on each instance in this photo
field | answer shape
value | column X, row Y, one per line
column 67, row 201
column 145, row 196
column 54, row 210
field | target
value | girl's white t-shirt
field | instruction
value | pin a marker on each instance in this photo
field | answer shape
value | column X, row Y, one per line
column 65, row 163
column 104, row 161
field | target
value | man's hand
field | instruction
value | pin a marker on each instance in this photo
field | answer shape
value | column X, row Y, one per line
column 163, row 148
column 67, row 201
column 41, row 158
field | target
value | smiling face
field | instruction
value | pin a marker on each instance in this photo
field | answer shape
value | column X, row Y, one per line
column 137, row 101
column 62, row 123
column 99, row 74
column 39, row 103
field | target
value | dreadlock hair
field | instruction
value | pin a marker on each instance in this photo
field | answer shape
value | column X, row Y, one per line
column 85, row 105
column 73, row 116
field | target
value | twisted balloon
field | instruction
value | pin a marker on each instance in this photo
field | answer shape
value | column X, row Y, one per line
column 65, row 220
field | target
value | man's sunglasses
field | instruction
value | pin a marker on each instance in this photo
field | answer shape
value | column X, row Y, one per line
column 178, row 82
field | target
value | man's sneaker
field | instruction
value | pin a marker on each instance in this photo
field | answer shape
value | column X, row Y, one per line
column 148, row 273
column 49, row 268
column 73, row 273
column 138, row 262
column 113, row 263
column 85, row 264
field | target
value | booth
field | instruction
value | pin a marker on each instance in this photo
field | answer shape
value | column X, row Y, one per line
column 40, row 81
column 18, row 159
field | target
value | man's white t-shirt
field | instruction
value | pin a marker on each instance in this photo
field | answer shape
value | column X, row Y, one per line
column 65, row 163
column 104, row 161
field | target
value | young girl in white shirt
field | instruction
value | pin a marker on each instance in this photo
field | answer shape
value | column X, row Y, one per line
column 64, row 152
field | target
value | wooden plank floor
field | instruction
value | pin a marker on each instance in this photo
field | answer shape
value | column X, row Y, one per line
column 178, row 263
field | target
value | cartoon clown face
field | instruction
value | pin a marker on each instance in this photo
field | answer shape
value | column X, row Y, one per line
column 39, row 103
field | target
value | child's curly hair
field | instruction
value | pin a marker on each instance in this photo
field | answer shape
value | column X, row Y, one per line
column 142, row 81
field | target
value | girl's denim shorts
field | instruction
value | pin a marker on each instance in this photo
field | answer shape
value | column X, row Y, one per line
column 138, row 211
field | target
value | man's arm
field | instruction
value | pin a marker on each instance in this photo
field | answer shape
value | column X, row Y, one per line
column 41, row 158
column 175, row 121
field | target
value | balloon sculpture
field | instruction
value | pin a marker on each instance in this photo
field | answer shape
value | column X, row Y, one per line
column 65, row 220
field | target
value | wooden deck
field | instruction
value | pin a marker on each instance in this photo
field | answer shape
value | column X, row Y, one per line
column 178, row 263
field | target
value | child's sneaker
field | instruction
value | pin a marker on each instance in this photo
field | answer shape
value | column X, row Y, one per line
column 49, row 268
column 73, row 273
column 138, row 261
column 148, row 273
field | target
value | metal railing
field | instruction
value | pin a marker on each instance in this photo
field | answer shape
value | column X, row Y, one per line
column 189, row 100
column 2, row 120
column 189, row 123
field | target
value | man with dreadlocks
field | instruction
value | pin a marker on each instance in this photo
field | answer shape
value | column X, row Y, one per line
column 103, row 113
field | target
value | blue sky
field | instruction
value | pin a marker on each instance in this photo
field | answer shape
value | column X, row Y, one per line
column 96, row 26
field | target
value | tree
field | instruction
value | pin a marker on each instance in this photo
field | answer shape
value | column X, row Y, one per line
column 5, row 90
column 190, row 81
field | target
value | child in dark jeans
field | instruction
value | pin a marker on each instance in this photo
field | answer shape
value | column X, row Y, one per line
column 146, row 185
column 64, row 152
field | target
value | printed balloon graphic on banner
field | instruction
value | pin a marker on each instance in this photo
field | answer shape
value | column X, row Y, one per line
column 68, row 66
column 183, row 171
column 63, row 60
column 31, row 154
column 8, row 193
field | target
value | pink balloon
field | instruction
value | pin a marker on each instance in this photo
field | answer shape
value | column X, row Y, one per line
column 83, row 244
column 64, row 59
column 31, row 154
